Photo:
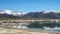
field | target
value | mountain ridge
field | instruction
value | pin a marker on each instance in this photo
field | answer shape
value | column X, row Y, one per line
column 42, row 15
column 31, row 15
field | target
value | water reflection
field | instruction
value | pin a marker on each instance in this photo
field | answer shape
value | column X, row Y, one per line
column 19, row 25
column 43, row 24
column 49, row 26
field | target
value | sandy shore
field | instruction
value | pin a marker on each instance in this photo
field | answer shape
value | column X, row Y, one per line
column 22, row 31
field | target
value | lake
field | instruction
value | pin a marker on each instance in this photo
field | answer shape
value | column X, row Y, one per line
column 48, row 26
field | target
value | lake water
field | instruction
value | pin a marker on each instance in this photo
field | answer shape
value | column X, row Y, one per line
column 56, row 29
column 48, row 26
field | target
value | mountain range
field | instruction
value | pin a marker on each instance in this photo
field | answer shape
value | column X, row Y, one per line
column 46, row 14
column 10, row 14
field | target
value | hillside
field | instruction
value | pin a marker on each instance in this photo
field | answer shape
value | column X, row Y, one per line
column 10, row 14
column 43, row 15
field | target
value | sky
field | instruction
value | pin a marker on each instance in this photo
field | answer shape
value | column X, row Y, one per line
column 30, row 5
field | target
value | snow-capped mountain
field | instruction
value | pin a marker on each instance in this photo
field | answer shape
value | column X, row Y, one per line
column 47, row 14
column 11, row 12
column 51, row 14
column 48, row 11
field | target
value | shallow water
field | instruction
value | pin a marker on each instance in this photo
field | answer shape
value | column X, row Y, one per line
column 24, row 26
column 55, row 29
column 48, row 26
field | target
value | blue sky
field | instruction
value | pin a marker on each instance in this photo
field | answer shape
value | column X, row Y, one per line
column 30, row 5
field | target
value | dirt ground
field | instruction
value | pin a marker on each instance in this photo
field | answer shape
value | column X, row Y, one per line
column 22, row 31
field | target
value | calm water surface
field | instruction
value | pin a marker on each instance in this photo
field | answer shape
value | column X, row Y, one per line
column 55, row 27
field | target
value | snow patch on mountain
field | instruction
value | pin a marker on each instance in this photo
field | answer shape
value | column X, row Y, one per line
column 11, row 12
column 8, row 11
column 48, row 11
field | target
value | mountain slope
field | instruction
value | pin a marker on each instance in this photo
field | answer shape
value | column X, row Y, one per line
column 42, row 15
column 10, row 14
column 6, row 16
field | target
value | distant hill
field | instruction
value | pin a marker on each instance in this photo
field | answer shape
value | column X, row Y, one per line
column 9, row 14
column 6, row 16
column 43, row 15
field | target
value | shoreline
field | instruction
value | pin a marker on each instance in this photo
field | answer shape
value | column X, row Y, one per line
column 35, row 31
